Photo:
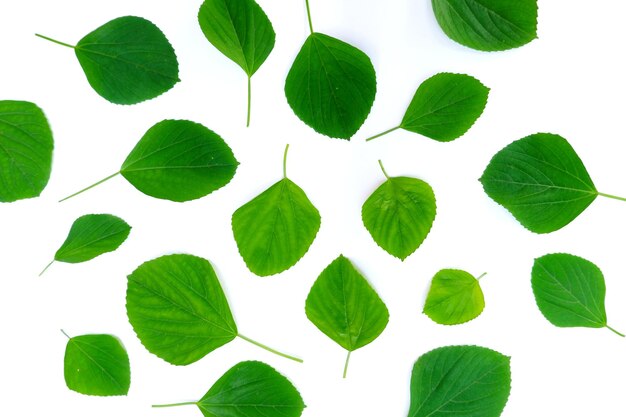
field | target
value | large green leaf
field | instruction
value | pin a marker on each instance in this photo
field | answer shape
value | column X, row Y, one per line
column 250, row 389
column 177, row 160
column 570, row 291
column 454, row 297
column 127, row 60
column 239, row 29
column 488, row 25
column 25, row 150
column 400, row 214
column 460, row 381
column 331, row 86
column 344, row 306
column 444, row 107
column 96, row 364
column 541, row 180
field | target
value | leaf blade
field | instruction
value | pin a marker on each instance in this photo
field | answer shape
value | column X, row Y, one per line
column 454, row 297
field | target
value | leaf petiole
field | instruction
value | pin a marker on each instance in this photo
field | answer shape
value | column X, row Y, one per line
column 308, row 13
column 65, row 334
column 383, row 169
column 612, row 196
column 382, row 133
column 90, row 187
column 55, row 41
column 249, row 100
column 173, row 405
column 46, row 268
column 480, row 276
column 615, row 331
column 269, row 349
column 285, row 161
column 345, row 367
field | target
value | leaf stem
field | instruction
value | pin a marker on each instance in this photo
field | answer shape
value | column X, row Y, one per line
column 66, row 335
column 285, row 161
column 345, row 367
column 383, row 169
column 308, row 13
column 46, row 268
column 174, row 405
column 269, row 349
column 481, row 275
column 612, row 196
column 382, row 133
column 249, row 101
column 90, row 187
column 615, row 331
column 55, row 41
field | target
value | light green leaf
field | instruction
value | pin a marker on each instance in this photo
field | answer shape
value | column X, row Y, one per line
column 570, row 291
column 400, row 214
column 460, row 381
column 241, row 30
column 488, row 25
column 177, row 160
column 444, row 107
column 25, row 150
column 250, row 389
column 454, row 297
column 344, row 306
column 541, row 180
column 178, row 309
column 96, row 364
column 274, row 230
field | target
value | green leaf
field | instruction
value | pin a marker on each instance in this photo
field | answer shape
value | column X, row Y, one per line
column 570, row 291
column 177, row 160
column 274, row 230
column 488, row 25
column 331, row 86
column 92, row 235
column 460, row 381
column 344, row 306
column 25, row 150
column 96, row 364
column 250, row 389
column 444, row 107
column 241, row 30
column 541, row 180
column 400, row 214
column 454, row 297
column 127, row 60
column 178, row 309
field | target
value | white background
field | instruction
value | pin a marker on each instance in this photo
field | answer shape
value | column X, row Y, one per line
column 569, row 81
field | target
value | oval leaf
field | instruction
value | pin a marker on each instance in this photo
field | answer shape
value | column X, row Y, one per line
column 177, row 308
column 400, row 214
column 179, row 160
column 488, row 25
column 25, row 150
column 331, row 86
column 460, row 381
column 274, row 230
column 454, row 297
column 569, row 291
column 96, row 364
column 541, row 180
column 344, row 306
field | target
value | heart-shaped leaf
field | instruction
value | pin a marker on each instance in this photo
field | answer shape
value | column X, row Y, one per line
column 454, row 297
column 25, row 150
column 178, row 309
column 241, row 30
column 570, row 291
column 96, row 364
column 541, row 180
column 400, row 214
column 344, row 306
column 127, row 60
column 250, row 389
column 274, row 230
column 460, row 381
column 177, row 160
column 444, row 107
column 488, row 25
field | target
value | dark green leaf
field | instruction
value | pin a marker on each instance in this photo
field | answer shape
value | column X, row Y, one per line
column 250, row 389
column 488, row 25
column 344, row 306
column 331, row 86
column 400, row 214
column 25, row 150
column 96, row 364
column 460, row 381
column 569, row 291
column 454, row 297
column 541, row 180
